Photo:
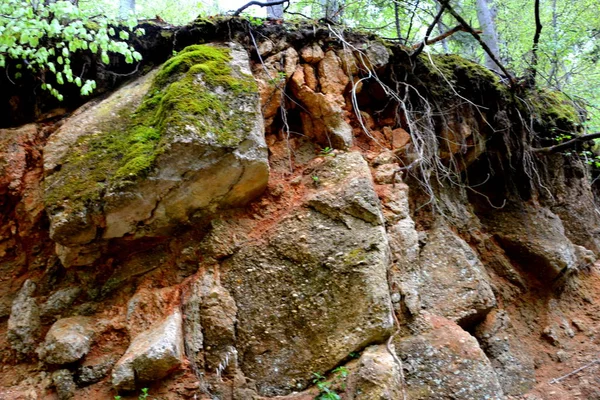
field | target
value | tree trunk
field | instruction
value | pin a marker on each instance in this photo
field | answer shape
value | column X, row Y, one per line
column 490, row 36
column 332, row 9
column 126, row 8
column 275, row 12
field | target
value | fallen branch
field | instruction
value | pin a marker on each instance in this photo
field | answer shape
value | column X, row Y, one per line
column 258, row 3
column 556, row 380
column 567, row 145
column 484, row 46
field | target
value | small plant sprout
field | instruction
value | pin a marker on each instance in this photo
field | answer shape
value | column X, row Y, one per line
column 328, row 389
column 327, row 151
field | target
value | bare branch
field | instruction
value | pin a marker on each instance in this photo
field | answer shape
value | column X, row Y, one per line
column 483, row 45
column 421, row 46
column 532, row 70
column 258, row 3
column 566, row 145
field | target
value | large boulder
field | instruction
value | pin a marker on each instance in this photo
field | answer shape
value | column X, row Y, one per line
column 314, row 288
column 445, row 362
column 174, row 145
column 68, row 340
column 152, row 355
column 453, row 282
column 535, row 238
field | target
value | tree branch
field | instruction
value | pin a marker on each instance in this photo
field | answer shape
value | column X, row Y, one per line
column 457, row 28
column 258, row 3
column 532, row 70
column 419, row 48
column 474, row 33
column 566, row 145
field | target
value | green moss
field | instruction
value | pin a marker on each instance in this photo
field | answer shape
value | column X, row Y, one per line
column 193, row 91
column 553, row 111
column 466, row 76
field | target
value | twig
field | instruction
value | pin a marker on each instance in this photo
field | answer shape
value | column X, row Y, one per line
column 556, row 380
column 483, row 45
column 567, row 145
column 258, row 3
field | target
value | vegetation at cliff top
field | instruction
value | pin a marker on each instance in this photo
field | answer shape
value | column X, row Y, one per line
column 552, row 45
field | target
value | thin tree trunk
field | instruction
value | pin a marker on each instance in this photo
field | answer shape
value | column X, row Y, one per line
column 126, row 8
column 332, row 10
column 441, row 29
column 397, row 17
column 275, row 12
column 553, row 76
column 489, row 36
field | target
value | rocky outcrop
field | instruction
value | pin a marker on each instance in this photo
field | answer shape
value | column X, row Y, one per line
column 513, row 365
column 535, row 237
column 453, row 282
column 383, row 244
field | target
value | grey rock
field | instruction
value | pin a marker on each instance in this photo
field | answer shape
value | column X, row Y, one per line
column 315, row 288
column 377, row 377
column 445, row 362
column 68, row 340
column 453, row 280
column 24, row 324
column 513, row 365
column 152, row 355
column 88, row 374
column 59, row 302
column 377, row 56
column 535, row 238
column 210, row 325
column 64, row 384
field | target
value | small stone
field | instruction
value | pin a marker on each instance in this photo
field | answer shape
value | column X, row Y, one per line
column 60, row 301
column 88, row 374
column 65, row 386
column 24, row 324
column 67, row 341
column 312, row 54
column 562, row 356
column 400, row 138
column 551, row 336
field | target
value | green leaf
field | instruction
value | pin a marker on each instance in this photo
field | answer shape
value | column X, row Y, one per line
column 105, row 58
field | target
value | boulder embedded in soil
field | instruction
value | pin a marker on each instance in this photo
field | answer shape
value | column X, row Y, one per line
column 152, row 355
column 170, row 147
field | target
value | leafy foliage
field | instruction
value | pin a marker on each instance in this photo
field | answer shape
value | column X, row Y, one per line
column 42, row 38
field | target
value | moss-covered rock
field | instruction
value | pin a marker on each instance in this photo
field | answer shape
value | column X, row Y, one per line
column 183, row 140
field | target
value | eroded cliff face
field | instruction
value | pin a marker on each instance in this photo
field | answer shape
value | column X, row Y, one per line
column 318, row 212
